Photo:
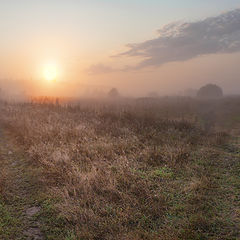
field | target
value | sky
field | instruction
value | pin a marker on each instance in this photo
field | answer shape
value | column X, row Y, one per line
column 138, row 46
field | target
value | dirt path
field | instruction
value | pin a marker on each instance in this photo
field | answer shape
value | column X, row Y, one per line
column 19, row 207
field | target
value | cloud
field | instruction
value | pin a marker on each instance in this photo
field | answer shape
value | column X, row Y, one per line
column 183, row 41
column 99, row 69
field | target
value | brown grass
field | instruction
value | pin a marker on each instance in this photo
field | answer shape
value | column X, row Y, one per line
column 115, row 167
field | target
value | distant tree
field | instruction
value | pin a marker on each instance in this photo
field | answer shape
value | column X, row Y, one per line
column 113, row 93
column 190, row 92
column 210, row 91
column 153, row 95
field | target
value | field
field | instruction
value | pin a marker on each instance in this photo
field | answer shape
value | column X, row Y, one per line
column 165, row 168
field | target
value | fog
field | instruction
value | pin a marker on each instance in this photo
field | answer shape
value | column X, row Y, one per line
column 170, row 79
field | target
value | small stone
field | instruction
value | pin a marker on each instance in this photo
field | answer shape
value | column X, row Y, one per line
column 33, row 234
column 32, row 211
column 9, row 152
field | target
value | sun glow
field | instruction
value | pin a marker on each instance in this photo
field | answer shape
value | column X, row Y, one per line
column 50, row 71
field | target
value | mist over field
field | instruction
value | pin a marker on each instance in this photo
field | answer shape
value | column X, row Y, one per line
column 119, row 120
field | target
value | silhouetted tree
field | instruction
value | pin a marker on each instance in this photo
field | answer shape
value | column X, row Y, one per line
column 153, row 95
column 113, row 93
column 210, row 91
column 190, row 92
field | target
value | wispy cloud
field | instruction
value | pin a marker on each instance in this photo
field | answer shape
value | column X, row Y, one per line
column 102, row 69
column 99, row 69
column 183, row 41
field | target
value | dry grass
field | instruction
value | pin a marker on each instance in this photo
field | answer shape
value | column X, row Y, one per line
column 2, row 181
column 121, row 170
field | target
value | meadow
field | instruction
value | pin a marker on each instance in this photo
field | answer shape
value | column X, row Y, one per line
column 164, row 168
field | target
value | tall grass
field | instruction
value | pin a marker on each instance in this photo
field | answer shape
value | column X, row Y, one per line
column 114, row 166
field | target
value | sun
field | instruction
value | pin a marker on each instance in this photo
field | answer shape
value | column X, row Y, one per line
column 50, row 71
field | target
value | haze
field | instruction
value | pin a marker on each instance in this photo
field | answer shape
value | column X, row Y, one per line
column 135, row 46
